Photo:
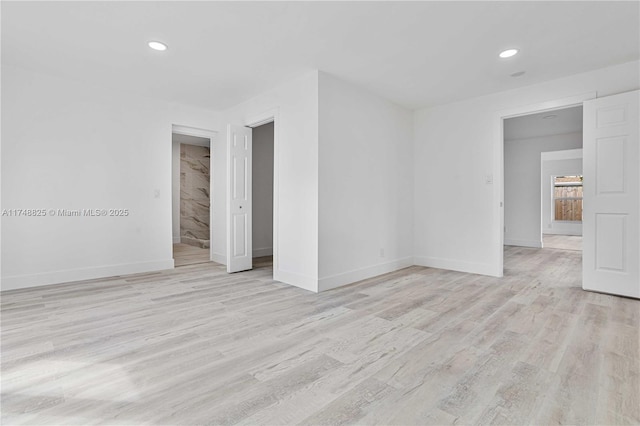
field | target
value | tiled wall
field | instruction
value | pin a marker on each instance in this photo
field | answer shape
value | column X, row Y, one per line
column 194, row 195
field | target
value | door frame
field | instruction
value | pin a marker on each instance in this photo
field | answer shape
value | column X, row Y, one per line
column 271, row 115
column 212, row 135
column 498, row 156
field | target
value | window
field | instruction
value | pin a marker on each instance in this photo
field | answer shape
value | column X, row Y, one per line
column 567, row 198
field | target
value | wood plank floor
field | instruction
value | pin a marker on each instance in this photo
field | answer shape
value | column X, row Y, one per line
column 418, row 346
column 563, row 242
column 185, row 254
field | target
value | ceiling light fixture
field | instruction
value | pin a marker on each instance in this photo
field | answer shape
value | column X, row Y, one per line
column 156, row 45
column 549, row 117
column 508, row 53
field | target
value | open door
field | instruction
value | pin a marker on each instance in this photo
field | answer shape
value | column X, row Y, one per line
column 239, row 244
column 611, row 219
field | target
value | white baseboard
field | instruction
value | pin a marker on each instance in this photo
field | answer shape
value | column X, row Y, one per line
column 563, row 232
column 69, row 275
column 219, row 258
column 260, row 252
column 176, row 240
column 302, row 281
column 338, row 280
column 457, row 265
column 522, row 243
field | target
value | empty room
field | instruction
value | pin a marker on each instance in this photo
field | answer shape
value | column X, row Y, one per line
column 320, row 213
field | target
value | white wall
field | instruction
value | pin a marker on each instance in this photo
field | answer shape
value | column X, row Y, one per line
column 334, row 221
column 69, row 145
column 522, row 192
column 296, row 171
column 456, row 221
column 558, row 163
column 262, row 179
column 366, row 184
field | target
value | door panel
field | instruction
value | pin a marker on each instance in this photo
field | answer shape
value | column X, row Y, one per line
column 239, row 206
column 239, row 235
column 610, row 242
column 610, row 175
column 611, row 216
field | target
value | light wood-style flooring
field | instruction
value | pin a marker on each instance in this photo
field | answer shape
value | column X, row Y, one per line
column 185, row 254
column 562, row 242
column 418, row 346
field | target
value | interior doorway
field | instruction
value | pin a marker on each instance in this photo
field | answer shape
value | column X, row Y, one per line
column 610, row 129
column 542, row 169
column 191, row 195
column 262, row 190
column 547, row 107
column 562, row 203
column 240, row 143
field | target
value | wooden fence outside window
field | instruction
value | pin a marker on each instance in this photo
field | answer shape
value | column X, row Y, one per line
column 567, row 194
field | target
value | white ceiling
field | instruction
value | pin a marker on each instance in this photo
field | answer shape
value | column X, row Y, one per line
column 413, row 53
column 567, row 120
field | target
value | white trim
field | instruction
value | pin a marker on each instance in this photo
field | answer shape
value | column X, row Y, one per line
column 218, row 258
column 296, row 280
column 194, row 131
column 457, row 265
column 268, row 116
column 228, row 183
column 261, row 252
column 522, row 243
column 567, row 154
column 356, row 275
column 262, row 118
column 69, row 275
column 177, row 240
column 550, row 105
column 213, row 136
column 576, row 233
column 498, row 168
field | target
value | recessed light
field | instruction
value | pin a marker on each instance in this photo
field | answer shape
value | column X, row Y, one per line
column 518, row 74
column 508, row 53
column 549, row 117
column 156, row 45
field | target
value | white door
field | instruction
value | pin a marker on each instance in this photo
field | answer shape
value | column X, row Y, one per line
column 239, row 244
column 611, row 253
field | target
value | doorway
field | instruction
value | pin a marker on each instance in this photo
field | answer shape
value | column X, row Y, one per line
column 610, row 128
column 191, row 196
column 240, row 194
column 562, row 202
column 502, row 116
column 262, row 189
column 542, row 178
